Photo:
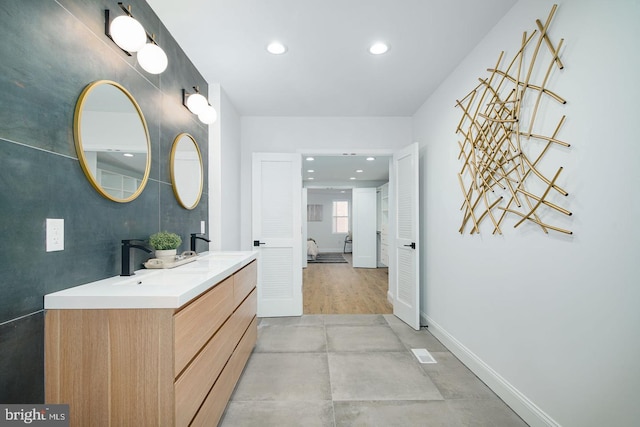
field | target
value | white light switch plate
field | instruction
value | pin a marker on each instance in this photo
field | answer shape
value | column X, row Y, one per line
column 203, row 227
column 55, row 235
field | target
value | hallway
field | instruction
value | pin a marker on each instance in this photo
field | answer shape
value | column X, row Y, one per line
column 357, row 370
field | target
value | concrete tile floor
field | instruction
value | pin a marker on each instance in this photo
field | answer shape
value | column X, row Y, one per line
column 357, row 370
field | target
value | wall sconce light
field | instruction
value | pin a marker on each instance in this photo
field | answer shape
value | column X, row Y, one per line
column 130, row 36
column 199, row 105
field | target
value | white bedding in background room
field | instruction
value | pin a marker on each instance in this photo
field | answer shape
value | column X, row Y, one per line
column 312, row 249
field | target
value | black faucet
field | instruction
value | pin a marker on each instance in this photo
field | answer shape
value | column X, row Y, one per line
column 194, row 237
column 127, row 259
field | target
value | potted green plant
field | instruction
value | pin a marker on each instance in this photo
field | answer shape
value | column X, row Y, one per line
column 165, row 244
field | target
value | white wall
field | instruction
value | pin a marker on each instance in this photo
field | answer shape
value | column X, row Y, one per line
column 322, row 231
column 230, row 174
column 551, row 322
column 214, row 177
column 296, row 134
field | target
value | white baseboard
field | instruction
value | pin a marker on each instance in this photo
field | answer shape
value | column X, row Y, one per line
column 525, row 408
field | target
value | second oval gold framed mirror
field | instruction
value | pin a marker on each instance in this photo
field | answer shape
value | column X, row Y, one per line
column 187, row 173
column 112, row 141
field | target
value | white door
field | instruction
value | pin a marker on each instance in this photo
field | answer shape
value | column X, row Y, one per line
column 363, row 224
column 276, row 232
column 406, row 248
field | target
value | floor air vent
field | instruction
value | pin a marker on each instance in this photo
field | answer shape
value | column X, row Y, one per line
column 423, row 355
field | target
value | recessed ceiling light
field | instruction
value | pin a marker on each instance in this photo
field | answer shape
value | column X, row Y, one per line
column 309, row 159
column 378, row 48
column 311, row 171
column 359, row 171
column 353, row 177
column 276, row 48
column 128, row 155
column 370, row 159
column 310, row 178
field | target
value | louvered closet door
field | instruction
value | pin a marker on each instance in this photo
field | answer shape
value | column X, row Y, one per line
column 276, row 232
column 407, row 249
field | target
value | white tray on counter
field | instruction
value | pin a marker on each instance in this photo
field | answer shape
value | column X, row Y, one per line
column 182, row 259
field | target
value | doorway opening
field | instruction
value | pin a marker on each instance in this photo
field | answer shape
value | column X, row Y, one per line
column 331, row 231
column 277, row 203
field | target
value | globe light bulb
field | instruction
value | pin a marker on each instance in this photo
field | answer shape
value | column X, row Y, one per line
column 208, row 115
column 128, row 33
column 196, row 103
column 152, row 58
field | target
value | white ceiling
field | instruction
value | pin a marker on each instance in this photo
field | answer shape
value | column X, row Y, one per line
column 328, row 70
column 332, row 169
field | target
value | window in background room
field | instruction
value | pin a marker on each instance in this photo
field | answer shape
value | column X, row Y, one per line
column 340, row 216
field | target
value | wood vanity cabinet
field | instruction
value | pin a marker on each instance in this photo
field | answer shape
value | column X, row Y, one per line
column 152, row 367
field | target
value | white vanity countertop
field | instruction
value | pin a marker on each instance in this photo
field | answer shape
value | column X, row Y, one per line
column 153, row 288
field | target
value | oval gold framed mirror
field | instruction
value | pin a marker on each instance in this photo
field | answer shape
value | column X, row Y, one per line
column 186, row 171
column 112, row 141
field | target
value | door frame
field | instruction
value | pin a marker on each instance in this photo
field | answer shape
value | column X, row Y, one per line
column 386, row 152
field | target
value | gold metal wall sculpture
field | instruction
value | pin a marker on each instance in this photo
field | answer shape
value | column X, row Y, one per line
column 501, row 152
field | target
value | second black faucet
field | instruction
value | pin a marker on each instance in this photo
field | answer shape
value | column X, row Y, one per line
column 194, row 237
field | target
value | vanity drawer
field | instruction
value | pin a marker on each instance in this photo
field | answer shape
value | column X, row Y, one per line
column 213, row 407
column 244, row 281
column 194, row 383
column 196, row 323
column 247, row 311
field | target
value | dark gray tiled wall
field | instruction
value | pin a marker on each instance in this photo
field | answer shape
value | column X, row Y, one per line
column 22, row 344
column 49, row 51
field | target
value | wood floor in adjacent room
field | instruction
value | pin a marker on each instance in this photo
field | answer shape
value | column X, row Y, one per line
column 342, row 289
